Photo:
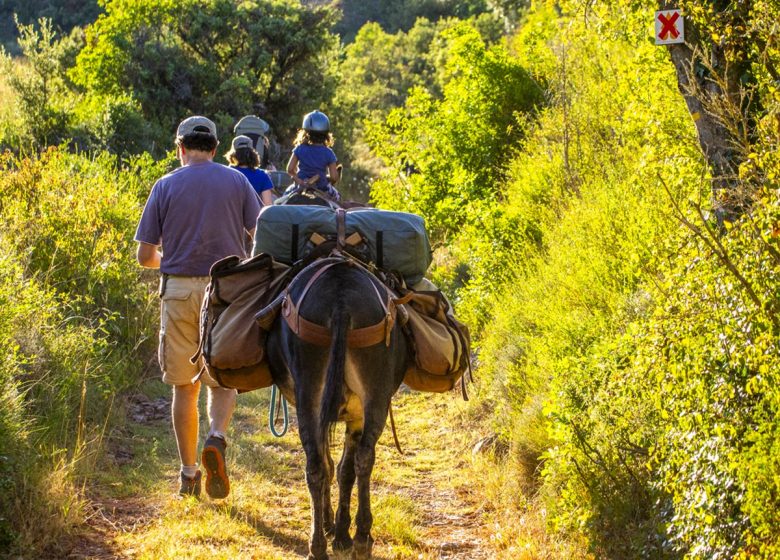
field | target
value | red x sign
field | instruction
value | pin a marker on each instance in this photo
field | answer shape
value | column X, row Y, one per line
column 669, row 27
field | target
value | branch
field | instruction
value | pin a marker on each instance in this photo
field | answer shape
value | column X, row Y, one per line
column 712, row 241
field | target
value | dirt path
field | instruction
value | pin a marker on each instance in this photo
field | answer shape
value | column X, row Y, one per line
column 425, row 503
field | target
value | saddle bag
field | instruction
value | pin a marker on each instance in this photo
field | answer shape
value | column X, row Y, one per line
column 441, row 343
column 231, row 342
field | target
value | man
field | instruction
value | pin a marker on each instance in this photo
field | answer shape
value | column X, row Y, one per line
column 195, row 215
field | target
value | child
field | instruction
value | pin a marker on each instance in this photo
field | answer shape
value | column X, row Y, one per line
column 244, row 158
column 313, row 163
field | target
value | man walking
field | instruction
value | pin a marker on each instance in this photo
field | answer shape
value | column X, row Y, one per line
column 195, row 215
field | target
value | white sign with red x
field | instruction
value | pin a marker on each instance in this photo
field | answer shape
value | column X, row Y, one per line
column 669, row 27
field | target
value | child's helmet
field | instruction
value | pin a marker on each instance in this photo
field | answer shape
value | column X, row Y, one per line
column 316, row 121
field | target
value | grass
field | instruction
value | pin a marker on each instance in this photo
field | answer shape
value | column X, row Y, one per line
column 436, row 497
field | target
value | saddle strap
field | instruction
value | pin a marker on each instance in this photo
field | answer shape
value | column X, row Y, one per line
column 341, row 229
column 321, row 336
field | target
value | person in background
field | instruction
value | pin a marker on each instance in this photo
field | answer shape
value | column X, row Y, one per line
column 194, row 216
column 256, row 128
column 313, row 163
column 243, row 157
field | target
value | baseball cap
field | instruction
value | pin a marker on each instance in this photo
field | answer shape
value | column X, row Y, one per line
column 242, row 141
column 196, row 124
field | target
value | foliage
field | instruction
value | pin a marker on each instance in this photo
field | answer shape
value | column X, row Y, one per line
column 42, row 93
column 218, row 58
column 446, row 157
column 65, row 15
column 46, row 109
column 400, row 15
column 450, row 153
column 715, row 359
column 75, row 324
column 649, row 333
column 376, row 74
column 568, row 326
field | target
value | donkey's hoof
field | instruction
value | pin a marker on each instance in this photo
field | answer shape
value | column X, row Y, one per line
column 313, row 557
column 330, row 532
column 361, row 550
column 342, row 544
column 342, row 554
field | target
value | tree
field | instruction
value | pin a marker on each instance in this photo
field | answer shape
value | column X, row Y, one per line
column 63, row 14
column 400, row 15
column 728, row 70
column 221, row 58
column 446, row 156
column 39, row 83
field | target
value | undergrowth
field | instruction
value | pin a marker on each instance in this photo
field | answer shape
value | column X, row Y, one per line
column 75, row 324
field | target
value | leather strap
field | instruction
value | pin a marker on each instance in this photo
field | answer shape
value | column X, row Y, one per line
column 341, row 229
column 321, row 335
column 392, row 425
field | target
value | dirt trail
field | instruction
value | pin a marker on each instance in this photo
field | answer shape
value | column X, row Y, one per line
column 424, row 505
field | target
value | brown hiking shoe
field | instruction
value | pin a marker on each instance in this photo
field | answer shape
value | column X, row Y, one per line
column 213, row 459
column 190, row 486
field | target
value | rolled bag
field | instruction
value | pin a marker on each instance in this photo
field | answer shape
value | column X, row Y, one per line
column 232, row 344
column 393, row 241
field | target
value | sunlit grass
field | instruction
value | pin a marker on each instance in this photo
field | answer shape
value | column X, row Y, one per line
column 419, row 499
column 397, row 519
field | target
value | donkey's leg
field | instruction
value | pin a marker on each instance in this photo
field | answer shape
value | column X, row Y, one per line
column 375, row 416
column 316, row 472
column 346, row 475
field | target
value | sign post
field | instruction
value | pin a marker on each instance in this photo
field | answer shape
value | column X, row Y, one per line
column 669, row 28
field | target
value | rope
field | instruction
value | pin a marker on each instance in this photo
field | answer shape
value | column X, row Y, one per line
column 273, row 412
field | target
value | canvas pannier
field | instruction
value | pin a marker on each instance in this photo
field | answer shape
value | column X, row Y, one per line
column 441, row 343
column 231, row 342
column 395, row 241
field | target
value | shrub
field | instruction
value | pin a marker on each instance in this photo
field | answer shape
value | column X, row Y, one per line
column 76, row 326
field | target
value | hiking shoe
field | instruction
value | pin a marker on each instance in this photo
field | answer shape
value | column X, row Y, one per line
column 213, row 459
column 190, row 486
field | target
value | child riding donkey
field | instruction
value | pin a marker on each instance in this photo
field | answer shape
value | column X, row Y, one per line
column 313, row 163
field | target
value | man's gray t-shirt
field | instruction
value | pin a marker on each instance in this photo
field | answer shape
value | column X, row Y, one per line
column 198, row 213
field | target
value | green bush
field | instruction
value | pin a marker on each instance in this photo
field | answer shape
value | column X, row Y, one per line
column 653, row 344
column 715, row 368
column 568, row 326
column 218, row 58
column 76, row 325
column 446, row 158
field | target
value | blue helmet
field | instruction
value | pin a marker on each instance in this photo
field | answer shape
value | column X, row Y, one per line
column 316, row 121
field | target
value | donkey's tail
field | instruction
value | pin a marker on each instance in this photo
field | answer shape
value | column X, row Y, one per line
column 333, row 392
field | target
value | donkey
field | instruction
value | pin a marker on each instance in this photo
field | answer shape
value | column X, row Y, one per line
column 338, row 353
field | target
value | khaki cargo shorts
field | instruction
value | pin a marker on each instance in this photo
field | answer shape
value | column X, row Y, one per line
column 180, row 330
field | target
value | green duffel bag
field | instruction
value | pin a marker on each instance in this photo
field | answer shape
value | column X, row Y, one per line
column 395, row 241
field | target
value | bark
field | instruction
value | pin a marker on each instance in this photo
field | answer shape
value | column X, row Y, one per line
column 715, row 139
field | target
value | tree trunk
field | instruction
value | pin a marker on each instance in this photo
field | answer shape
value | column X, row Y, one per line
column 710, row 79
